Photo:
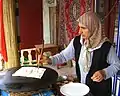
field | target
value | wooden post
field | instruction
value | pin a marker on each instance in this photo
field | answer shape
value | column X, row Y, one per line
column 9, row 20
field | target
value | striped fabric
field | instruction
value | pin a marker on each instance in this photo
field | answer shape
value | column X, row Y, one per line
column 116, row 87
column 118, row 36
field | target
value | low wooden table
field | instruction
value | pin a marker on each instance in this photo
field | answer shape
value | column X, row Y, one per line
column 52, row 48
column 47, row 47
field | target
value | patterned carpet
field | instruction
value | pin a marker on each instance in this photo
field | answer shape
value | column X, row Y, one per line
column 69, row 12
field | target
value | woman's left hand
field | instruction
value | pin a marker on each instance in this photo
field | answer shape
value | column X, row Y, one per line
column 98, row 76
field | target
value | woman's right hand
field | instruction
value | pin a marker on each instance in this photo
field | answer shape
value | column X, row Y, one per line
column 46, row 60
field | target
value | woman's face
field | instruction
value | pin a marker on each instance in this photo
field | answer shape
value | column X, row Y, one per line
column 83, row 31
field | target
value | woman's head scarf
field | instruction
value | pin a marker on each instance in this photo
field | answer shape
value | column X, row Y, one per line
column 96, row 34
column 96, row 37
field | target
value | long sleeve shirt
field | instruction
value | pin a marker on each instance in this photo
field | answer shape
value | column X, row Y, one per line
column 69, row 53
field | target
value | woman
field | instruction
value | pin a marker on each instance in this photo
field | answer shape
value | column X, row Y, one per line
column 96, row 60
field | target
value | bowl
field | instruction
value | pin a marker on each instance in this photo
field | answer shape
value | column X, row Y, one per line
column 74, row 89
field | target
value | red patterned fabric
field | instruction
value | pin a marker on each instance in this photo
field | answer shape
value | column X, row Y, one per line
column 2, row 37
column 73, row 9
column 69, row 12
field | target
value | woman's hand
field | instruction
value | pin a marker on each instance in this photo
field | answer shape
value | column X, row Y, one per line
column 98, row 76
column 46, row 60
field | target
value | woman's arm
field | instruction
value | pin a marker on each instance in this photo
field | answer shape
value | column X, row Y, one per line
column 111, row 70
column 64, row 55
column 114, row 62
